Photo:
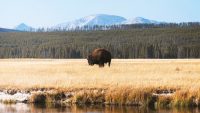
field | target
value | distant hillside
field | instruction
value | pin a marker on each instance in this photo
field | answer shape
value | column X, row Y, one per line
column 173, row 41
column 8, row 30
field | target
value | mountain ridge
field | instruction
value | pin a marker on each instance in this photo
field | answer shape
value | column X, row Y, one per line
column 103, row 20
column 140, row 20
column 92, row 20
column 23, row 27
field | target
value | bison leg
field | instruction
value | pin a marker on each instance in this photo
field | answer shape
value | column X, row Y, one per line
column 109, row 64
column 101, row 64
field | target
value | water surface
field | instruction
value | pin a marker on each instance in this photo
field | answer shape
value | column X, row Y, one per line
column 30, row 108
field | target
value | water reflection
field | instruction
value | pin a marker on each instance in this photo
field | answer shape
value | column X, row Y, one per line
column 30, row 108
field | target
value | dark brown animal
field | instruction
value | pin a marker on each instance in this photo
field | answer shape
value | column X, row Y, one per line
column 99, row 56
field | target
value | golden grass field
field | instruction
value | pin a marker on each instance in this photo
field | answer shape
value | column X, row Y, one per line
column 130, row 81
column 76, row 73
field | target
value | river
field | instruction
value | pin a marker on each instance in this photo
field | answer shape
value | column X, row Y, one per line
column 30, row 108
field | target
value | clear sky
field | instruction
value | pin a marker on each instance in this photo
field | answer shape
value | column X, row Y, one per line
column 38, row 13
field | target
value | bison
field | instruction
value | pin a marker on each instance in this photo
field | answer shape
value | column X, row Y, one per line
column 99, row 56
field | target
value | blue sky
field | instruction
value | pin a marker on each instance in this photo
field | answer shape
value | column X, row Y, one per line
column 38, row 13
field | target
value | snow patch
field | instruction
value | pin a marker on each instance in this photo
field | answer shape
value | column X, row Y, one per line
column 140, row 20
column 18, row 97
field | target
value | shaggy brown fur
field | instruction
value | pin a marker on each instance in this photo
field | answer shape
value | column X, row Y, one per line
column 99, row 56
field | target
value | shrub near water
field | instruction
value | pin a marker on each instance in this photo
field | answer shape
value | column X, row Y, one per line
column 89, row 97
column 38, row 98
column 126, row 95
column 129, row 96
column 145, row 97
column 44, row 97
column 164, row 101
column 186, row 98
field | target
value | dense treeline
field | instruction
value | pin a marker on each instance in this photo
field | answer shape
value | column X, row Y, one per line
column 120, row 26
column 148, row 42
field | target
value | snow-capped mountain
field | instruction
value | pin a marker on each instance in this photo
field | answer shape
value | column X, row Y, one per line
column 23, row 27
column 103, row 20
column 99, row 19
column 140, row 20
column 92, row 20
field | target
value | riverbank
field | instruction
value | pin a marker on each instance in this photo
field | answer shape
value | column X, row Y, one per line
column 117, row 96
column 159, row 83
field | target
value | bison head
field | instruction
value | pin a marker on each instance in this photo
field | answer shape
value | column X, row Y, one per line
column 90, row 60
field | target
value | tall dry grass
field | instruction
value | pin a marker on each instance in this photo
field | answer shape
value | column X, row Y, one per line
column 125, row 82
column 26, row 73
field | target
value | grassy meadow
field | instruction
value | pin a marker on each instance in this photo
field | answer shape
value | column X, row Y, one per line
column 129, row 81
